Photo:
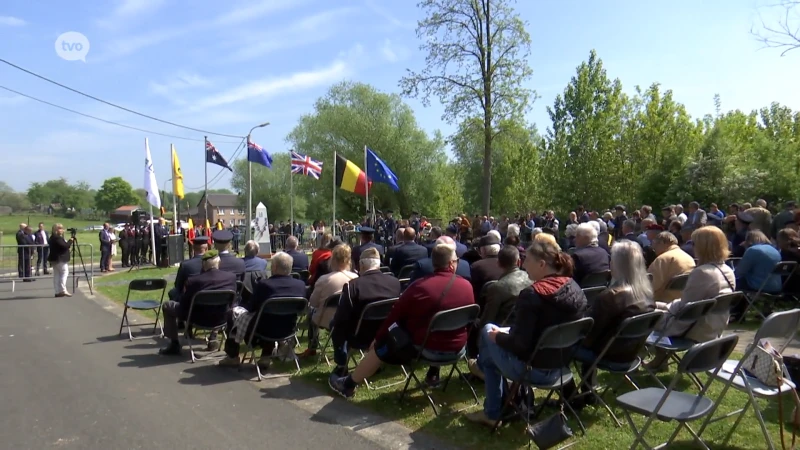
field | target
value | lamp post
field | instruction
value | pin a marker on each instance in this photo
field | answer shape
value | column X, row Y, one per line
column 250, row 185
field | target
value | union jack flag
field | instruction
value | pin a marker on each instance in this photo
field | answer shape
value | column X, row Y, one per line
column 305, row 165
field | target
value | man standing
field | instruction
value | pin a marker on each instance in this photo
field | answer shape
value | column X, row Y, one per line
column 237, row 236
column 42, row 251
column 21, row 250
column 27, row 253
column 162, row 236
column 105, row 248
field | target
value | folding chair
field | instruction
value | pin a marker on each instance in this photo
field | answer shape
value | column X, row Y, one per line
column 677, row 283
column 371, row 318
column 733, row 262
column 278, row 306
column 564, row 338
column 220, row 299
column 296, row 276
column 723, row 304
column 596, row 279
column 668, row 404
column 405, row 275
column 448, row 320
column 331, row 302
column 150, row 284
column 689, row 313
column 386, row 269
column 784, row 270
column 483, row 297
column 304, row 275
column 634, row 331
column 781, row 325
column 592, row 293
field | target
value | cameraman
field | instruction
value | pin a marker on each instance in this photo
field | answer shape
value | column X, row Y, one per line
column 59, row 258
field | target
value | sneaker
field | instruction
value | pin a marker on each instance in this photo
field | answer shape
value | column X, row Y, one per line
column 475, row 369
column 229, row 361
column 212, row 346
column 479, row 417
column 337, row 384
column 340, row 371
column 432, row 381
column 264, row 363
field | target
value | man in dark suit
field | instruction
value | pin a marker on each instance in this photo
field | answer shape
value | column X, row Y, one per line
column 210, row 279
column 189, row 268
column 105, row 248
column 21, row 250
column 280, row 284
column 299, row 257
column 435, row 233
column 367, row 241
column 161, row 230
column 629, row 231
column 371, row 286
column 43, row 251
column 252, row 262
column 407, row 254
column 29, row 243
column 486, row 269
column 228, row 262
column 588, row 257
column 397, row 239
column 424, row 267
column 452, row 232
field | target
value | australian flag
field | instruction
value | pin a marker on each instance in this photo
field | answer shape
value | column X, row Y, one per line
column 214, row 157
column 379, row 172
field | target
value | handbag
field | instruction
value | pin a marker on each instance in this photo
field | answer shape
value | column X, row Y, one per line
column 765, row 363
column 398, row 347
column 550, row 432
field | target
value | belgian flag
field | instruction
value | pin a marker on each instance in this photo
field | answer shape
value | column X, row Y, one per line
column 350, row 177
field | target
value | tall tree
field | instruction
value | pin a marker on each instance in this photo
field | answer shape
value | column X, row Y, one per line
column 782, row 31
column 115, row 192
column 476, row 65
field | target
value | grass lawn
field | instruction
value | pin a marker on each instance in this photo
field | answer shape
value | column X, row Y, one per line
column 415, row 412
column 9, row 224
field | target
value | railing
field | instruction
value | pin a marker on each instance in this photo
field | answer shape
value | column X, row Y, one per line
column 20, row 262
column 305, row 241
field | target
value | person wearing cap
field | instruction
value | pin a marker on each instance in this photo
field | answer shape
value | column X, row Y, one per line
column 228, row 261
column 189, row 267
column 371, row 286
column 424, row 267
column 588, row 257
column 670, row 262
column 367, row 241
column 486, row 269
column 211, row 278
column 408, row 253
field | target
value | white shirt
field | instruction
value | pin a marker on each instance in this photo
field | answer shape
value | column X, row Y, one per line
column 682, row 218
column 43, row 234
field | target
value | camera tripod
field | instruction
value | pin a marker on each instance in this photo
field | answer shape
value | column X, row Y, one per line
column 76, row 249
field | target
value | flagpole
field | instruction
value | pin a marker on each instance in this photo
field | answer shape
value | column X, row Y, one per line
column 291, row 197
column 174, row 182
column 333, row 178
column 205, row 166
column 366, row 180
column 152, row 235
column 249, row 233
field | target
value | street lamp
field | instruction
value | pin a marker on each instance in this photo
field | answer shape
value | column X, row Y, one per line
column 250, row 185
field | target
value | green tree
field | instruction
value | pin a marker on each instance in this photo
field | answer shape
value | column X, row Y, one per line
column 115, row 192
column 71, row 197
column 476, row 65
column 15, row 200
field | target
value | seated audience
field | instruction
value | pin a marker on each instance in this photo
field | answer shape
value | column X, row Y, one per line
column 789, row 246
column 324, row 266
column 211, row 278
column 709, row 279
column 326, row 286
column 629, row 231
column 755, row 270
column 319, row 255
column 228, row 261
column 588, row 257
column 241, row 322
column 189, row 267
column 299, row 257
column 424, row 267
column 486, row 269
column 554, row 298
column 407, row 253
column 686, row 241
column 252, row 262
column 452, row 232
column 670, row 262
column 413, row 312
column 372, row 285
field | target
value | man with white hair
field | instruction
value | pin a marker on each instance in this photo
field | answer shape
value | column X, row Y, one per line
column 210, row 279
column 424, row 267
column 486, row 269
column 371, row 286
column 588, row 257
column 252, row 263
column 299, row 257
column 280, row 284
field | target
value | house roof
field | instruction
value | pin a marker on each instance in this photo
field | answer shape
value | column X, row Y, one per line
column 126, row 208
column 216, row 200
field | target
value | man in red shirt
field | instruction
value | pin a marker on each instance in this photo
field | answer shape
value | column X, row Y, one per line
column 413, row 312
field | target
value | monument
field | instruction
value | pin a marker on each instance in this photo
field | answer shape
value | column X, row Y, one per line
column 261, row 232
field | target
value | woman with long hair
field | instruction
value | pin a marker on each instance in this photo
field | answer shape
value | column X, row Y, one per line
column 59, row 259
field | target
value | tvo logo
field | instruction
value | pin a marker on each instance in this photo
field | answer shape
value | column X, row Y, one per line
column 72, row 46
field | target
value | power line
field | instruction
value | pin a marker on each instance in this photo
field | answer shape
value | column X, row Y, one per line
column 104, row 120
column 216, row 178
column 115, row 105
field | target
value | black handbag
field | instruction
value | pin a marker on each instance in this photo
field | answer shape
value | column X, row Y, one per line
column 398, row 347
column 550, row 432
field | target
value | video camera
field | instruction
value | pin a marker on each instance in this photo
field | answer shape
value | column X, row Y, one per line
column 72, row 231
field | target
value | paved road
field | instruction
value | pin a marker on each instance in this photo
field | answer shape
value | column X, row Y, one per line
column 68, row 382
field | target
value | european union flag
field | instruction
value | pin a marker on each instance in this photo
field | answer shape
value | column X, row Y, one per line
column 379, row 172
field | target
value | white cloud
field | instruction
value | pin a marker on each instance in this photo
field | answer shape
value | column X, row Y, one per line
column 386, row 15
column 261, row 90
column 387, row 51
column 178, row 83
column 127, row 10
column 12, row 21
column 255, row 10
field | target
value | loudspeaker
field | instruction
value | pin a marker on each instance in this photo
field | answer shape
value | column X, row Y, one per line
column 138, row 217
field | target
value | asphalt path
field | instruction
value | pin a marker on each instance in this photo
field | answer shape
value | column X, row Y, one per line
column 67, row 381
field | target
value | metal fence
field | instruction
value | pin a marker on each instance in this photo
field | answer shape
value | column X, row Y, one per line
column 306, row 241
column 29, row 262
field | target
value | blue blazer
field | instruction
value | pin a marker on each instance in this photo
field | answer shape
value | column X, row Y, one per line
column 254, row 264
column 424, row 267
column 275, row 286
column 406, row 254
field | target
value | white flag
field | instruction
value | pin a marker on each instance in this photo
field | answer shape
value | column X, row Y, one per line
column 150, row 184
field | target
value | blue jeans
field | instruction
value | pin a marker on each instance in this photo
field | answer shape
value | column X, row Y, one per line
column 497, row 364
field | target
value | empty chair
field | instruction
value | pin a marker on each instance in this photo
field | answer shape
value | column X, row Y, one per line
column 146, row 285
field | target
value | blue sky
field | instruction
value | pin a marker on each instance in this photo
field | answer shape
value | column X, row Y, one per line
column 226, row 66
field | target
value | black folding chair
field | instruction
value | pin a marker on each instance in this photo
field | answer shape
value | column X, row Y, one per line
column 677, row 283
column 304, row 275
column 564, row 338
column 784, row 270
column 673, row 345
column 733, row 262
column 668, row 404
column 386, row 269
column 448, row 320
column 296, row 276
column 331, row 302
column 371, row 318
column 592, row 293
column 291, row 307
column 144, row 285
column 405, row 275
column 596, row 279
column 208, row 299
column 723, row 304
column 782, row 325
column 633, row 331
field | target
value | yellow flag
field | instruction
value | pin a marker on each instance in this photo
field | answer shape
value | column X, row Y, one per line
column 191, row 224
column 177, row 175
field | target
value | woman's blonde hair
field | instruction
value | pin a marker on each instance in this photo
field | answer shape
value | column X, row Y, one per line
column 340, row 257
column 56, row 227
column 546, row 237
column 710, row 245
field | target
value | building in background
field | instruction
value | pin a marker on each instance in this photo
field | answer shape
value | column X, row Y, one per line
column 224, row 207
